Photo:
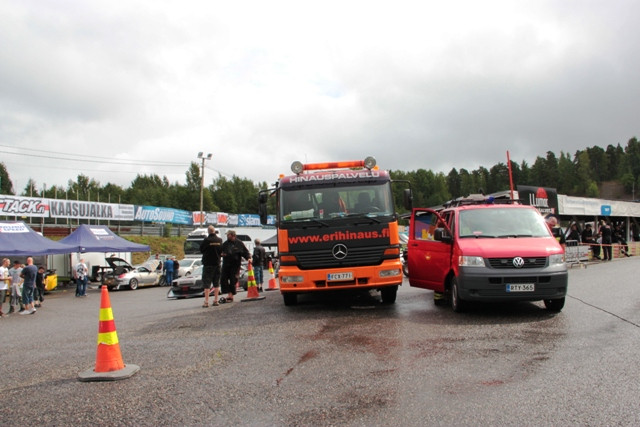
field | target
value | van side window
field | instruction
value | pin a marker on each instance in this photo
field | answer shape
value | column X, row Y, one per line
column 424, row 226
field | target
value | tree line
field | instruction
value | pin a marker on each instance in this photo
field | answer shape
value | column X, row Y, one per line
column 579, row 174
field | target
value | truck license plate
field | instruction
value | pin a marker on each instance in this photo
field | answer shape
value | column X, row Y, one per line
column 521, row 287
column 338, row 277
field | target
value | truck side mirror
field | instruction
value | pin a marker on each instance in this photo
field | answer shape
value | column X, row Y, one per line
column 442, row 235
column 262, row 208
column 408, row 199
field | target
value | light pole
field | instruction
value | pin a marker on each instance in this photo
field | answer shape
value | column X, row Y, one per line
column 201, row 156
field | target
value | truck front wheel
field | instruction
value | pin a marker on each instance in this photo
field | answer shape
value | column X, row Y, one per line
column 457, row 304
column 389, row 294
column 290, row 298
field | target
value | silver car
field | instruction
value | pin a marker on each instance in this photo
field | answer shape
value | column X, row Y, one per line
column 123, row 274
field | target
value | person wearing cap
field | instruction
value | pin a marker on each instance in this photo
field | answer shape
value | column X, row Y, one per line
column 16, row 281
column 588, row 237
column 211, row 248
column 233, row 250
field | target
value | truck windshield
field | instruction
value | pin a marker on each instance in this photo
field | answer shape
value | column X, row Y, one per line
column 336, row 202
column 501, row 222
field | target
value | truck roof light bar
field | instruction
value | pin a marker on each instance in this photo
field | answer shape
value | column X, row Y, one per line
column 299, row 167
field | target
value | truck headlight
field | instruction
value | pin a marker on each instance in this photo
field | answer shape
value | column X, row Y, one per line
column 291, row 279
column 389, row 273
column 471, row 261
column 556, row 259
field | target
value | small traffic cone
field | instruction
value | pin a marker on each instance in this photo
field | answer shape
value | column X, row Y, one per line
column 272, row 281
column 252, row 287
column 109, row 364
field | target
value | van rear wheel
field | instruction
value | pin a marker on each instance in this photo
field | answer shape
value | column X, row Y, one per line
column 457, row 304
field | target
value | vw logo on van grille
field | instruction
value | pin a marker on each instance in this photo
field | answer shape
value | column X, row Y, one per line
column 339, row 251
column 518, row 262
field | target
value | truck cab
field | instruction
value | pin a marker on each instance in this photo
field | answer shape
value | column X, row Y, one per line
column 480, row 249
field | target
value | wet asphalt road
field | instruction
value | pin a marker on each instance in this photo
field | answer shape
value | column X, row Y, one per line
column 333, row 362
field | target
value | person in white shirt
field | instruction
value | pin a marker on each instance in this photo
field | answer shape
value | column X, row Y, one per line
column 5, row 280
column 81, row 273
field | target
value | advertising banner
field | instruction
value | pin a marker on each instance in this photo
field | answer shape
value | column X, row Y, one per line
column 24, row 206
column 249, row 220
column 164, row 215
column 89, row 210
column 542, row 198
column 56, row 208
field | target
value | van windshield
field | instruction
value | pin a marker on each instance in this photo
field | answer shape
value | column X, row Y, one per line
column 501, row 222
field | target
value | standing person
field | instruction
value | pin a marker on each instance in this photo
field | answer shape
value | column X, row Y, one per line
column 574, row 234
column 211, row 249
column 29, row 274
column 618, row 237
column 176, row 267
column 5, row 281
column 159, row 266
column 606, row 234
column 168, row 270
column 16, row 279
column 259, row 259
column 552, row 223
column 38, row 294
column 81, row 273
column 233, row 250
column 588, row 237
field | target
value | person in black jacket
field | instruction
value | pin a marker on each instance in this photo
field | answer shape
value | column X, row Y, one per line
column 211, row 248
column 606, row 234
column 588, row 237
column 233, row 250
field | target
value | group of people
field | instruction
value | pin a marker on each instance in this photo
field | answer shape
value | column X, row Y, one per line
column 223, row 278
column 603, row 238
column 25, row 284
column 169, row 268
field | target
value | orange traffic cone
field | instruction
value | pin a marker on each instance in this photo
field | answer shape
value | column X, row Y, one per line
column 109, row 364
column 252, row 287
column 272, row 281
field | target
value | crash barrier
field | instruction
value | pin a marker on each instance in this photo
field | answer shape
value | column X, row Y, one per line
column 575, row 253
column 109, row 364
column 272, row 281
column 582, row 252
column 252, row 286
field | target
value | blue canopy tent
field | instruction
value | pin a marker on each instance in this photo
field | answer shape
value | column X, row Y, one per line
column 18, row 239
column 99, row 238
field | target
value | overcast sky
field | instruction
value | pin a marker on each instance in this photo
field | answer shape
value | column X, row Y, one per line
column 143, row 86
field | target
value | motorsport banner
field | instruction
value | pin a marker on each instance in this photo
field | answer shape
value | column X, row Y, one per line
column 166, row 215
column 41, row 207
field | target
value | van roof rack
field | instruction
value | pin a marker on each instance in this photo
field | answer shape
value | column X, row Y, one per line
column 480, row 199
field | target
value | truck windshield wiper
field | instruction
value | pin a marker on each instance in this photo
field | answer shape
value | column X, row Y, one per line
column 317, row 221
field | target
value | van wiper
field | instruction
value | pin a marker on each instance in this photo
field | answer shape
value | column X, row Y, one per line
column 479, row 236
column 514, row 235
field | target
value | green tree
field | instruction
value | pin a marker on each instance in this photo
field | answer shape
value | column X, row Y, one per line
column 6, row 186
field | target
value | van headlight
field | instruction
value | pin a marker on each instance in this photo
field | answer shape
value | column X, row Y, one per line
column 556, row 259
column 471, row 261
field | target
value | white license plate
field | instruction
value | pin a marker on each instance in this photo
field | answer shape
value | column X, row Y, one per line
column 337, row 277
column 521, row 287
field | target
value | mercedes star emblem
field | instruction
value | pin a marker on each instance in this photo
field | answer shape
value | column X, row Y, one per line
column 339, row 251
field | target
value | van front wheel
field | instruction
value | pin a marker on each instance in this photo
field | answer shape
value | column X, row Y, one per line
column 457, row 304
column 554, row 305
